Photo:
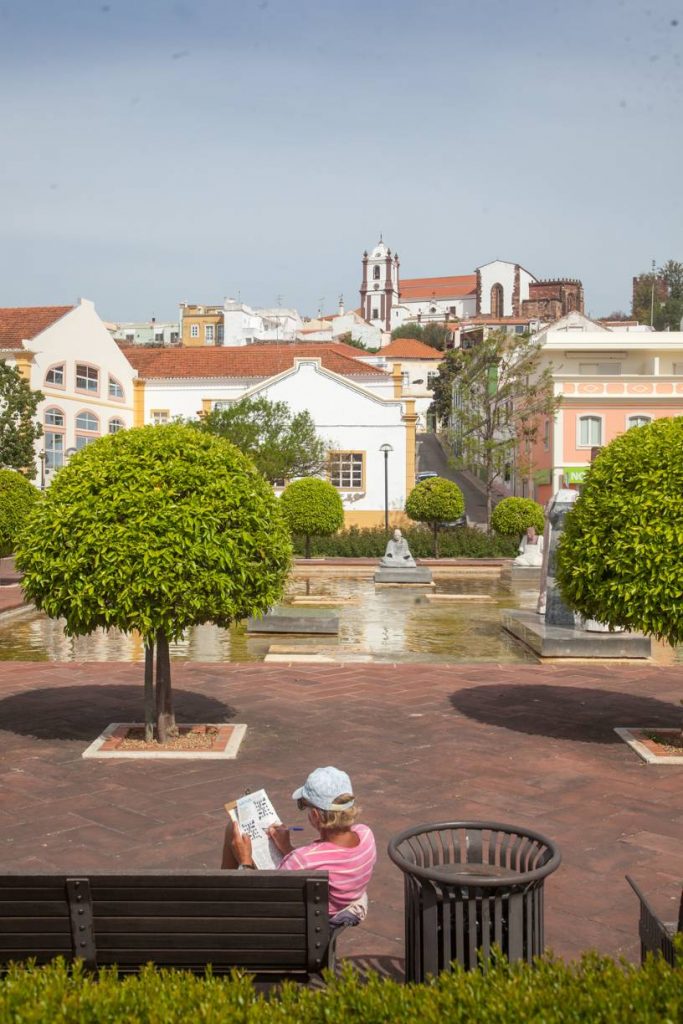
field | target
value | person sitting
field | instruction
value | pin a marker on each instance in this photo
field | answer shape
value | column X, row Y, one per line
column 397, row 554
column 344, row 849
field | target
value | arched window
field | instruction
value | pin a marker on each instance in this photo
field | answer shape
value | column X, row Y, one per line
column 375, row 273
column 639, row 420
column 116, row 424
column 54, row 418
column 497, row 301
column 115, row 388
column 87, row 428
column 55, row 376
column 590, row 431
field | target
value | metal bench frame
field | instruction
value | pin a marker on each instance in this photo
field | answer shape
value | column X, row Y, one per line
column 271, row 923
column 656, row 936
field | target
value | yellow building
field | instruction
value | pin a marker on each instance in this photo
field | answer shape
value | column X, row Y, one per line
column 201, row 325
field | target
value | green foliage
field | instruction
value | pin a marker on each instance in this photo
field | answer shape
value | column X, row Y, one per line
column 312, row 507
column 155, row 529
column 620, row 560
column 594, row 990
column 658, row 297
column 408, row 331
column 435, row 501
column 18, row 429
column 512, row 516
column 431, row 334
column 17, row 498
column 442, row 386
column 281, row 445
column 463, row 542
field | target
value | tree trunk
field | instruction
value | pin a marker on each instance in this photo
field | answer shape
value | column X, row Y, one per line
column 149, row 692
column 307, row 549
column 435, row 530
column 166, row 727
column 489, row 506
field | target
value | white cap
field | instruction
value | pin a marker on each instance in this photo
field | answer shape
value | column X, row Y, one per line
column 322, row 787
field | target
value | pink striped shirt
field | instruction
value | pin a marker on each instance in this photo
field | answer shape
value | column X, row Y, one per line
column 349, row 868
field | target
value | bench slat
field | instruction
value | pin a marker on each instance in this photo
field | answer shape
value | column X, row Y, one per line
column 183, row 957
column 207, row 943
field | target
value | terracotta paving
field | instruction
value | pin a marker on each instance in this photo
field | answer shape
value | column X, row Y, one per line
column 531, row 744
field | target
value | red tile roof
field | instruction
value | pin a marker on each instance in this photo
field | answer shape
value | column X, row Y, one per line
column 414, row 288
column 261, row 361
column 21, row 323
column 409, row 348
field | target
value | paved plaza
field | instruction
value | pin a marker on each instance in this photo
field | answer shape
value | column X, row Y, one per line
column 532, row 745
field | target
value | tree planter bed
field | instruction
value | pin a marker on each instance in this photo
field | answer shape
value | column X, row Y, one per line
column 197, row 741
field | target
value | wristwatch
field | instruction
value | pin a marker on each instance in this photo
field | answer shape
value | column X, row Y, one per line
column 245, row 867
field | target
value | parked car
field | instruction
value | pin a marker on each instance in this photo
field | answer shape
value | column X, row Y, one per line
column 455, row 524
column 426, row 475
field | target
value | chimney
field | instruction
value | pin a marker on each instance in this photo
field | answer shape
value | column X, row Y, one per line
column 341, row 305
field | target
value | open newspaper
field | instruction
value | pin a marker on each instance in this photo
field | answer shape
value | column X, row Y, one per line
column 254, row 813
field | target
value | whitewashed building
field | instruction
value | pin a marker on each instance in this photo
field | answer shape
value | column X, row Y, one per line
column 67, row 353
column 356, row 408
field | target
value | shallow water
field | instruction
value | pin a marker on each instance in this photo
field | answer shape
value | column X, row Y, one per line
column 384, row 624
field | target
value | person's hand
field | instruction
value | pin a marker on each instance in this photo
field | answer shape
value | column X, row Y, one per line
column 241, row 845
column 280, row 836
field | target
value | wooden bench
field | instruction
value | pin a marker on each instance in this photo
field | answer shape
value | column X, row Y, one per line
column 656, row 936
column 271, row 923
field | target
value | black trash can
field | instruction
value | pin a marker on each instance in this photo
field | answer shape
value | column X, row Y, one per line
column 468, row 885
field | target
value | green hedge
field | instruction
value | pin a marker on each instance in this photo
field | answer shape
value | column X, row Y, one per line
column 465, row 542
column 595, row 990
column 17, row 498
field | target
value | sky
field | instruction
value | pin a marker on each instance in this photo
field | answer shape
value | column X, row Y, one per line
column 160, row 151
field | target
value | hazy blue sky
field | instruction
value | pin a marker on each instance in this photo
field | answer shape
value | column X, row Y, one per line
column 155, row 151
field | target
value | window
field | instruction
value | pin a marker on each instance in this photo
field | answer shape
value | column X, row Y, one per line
column 159, row 416
column 159, row 336
column 431, row 377
column 175, row 337
column 54, row 450
column 600, row 369
column 87, row 421
column 375, row 273
column 115, row 389
column 82, row 440
column 590, row 431
column 497, row 301
column 346, row 470
column 375, row 313
column 116, row 424
column 55, row 376
column 87, row 378
column 208, row 333
column 194, row 331
column 54, row 418
column 219, row 334
column 451, row 310
column 405, row 378
column 639, row 420
column 222, row 404
column 432, row 309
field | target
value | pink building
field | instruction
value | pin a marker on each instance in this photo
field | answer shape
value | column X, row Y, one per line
column 611, row 379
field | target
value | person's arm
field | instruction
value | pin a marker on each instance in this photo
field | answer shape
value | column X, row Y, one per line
column 281, row 837
column 241, row 845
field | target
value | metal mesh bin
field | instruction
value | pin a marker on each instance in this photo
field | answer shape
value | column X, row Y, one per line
column 468, row 885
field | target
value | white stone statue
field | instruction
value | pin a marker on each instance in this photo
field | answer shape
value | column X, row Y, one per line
column 530, row 550
column 397, row 554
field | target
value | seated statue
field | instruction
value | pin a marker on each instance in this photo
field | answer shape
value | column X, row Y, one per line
column 530, row 550
column 397, row 554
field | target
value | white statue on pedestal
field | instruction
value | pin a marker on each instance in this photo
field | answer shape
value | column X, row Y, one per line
column 397, row 554
column 530, row 550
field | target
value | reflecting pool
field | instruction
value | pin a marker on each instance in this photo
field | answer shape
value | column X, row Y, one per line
column 375, row 624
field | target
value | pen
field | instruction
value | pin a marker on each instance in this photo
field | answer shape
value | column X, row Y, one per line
column 295, row 828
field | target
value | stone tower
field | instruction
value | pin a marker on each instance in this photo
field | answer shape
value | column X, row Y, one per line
column 379, row 287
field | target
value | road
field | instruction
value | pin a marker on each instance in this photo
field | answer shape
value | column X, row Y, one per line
column 431, row 456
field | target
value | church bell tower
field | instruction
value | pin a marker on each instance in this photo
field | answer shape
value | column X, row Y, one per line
column 379, row 287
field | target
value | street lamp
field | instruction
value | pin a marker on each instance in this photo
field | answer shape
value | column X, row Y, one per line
column 41, row 456
column 386, row 448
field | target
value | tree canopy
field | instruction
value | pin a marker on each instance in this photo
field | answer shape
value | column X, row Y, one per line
column 433, row 334
column 17, row 498
column 282, row 445
column 155, row 529
column 512, row 516
column 313, row 508
column 658, row 297
column 18, row 427
column 620, row 559
column 435, row 501
column 500, row 396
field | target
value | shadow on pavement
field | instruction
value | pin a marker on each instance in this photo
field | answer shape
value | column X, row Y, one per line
column 562, row 712
column 81, row 712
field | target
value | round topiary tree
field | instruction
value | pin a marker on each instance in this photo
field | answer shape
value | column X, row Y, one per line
column 17, row 498
column 435, row 501
column 620, row 560
column 313, row 508
column 513, row 516
column 156, row 529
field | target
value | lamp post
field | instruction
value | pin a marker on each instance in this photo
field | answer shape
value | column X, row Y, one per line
column 41, row 456
column 386, row 448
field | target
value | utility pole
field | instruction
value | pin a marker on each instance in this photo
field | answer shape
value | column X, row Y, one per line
column 652, row 300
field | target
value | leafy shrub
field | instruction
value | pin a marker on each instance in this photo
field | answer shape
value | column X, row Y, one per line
column 595, row 990
column 435, row 501
column 464, row 542
column 17, row 497
column 620, row 560
column 513, row 516
column 312, row 507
